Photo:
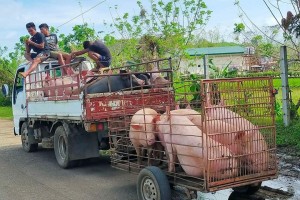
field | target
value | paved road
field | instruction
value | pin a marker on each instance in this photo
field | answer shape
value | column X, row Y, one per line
column 27, row 176
column 37, row 176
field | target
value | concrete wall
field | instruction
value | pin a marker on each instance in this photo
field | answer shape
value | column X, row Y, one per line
column 219, row 60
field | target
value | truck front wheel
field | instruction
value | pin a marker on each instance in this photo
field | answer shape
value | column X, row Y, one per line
column 61, row 148
column 27, row 138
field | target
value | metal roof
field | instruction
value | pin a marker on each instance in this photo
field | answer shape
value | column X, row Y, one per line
column 216, row 50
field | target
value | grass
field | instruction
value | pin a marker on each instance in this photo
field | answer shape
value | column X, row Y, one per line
column 6, row 113
column 294, row 84
column 288, row 136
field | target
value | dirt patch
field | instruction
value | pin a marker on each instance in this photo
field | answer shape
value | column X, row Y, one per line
column 288, row 162
column 7, row 137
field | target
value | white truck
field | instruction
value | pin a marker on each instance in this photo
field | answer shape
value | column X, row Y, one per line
column 54, row 110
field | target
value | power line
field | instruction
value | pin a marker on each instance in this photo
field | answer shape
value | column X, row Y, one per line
column 81, row 14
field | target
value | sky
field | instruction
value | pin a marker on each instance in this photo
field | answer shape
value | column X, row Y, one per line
column 14, row 14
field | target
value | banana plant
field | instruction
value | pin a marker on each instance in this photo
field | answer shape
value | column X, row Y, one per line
column 224, row 72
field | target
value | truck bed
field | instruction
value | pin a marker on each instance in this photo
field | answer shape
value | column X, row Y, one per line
column 106, row 105
column 58, row 97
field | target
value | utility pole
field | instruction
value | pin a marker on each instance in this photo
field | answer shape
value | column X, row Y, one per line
column 285, row 86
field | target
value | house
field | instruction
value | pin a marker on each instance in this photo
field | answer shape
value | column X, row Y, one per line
column 221, row 57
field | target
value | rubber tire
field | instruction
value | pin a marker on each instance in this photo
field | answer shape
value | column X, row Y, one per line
column 248, row 189
column 159, row 179
column 63, row 161
column 28, row 147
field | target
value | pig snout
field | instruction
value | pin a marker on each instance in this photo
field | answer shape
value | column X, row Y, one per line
column 150, row 142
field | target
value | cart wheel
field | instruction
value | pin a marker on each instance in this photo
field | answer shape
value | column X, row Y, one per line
column 27, row 132
column 248, row 189
column 153, row 184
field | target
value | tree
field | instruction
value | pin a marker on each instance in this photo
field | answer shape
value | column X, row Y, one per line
column 170, row 25
column 288, row 23
column 74, row 40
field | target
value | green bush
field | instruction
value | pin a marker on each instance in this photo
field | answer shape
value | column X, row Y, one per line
column 288, row 136
column 4, row 101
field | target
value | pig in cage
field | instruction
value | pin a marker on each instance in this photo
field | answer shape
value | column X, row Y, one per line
column 211, row 135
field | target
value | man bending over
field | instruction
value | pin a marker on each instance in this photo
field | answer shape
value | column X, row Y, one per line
column 39, row 45
column 98, row 52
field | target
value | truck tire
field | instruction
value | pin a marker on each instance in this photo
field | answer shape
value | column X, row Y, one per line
column 61, row 148
column 27, row 132
column 153, row 184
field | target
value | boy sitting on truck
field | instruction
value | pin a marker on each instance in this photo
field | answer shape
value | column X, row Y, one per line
column 39, row 45
column 62, row 57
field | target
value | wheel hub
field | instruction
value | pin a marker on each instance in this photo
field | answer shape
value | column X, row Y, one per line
column 24, row 137
column 62, row 147
column 149, row 189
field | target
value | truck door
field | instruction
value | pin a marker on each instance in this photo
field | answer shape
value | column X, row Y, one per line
column 19, row 99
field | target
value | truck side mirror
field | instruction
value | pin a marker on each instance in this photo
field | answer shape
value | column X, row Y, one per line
column 5, row 90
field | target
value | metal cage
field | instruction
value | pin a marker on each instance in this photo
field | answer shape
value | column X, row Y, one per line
column 217, row 134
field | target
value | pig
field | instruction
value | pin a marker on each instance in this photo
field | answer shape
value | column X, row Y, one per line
column 218, row 130
column 142, row 130
column 50, row 86
column 160, row 82
column 192, row 115
column 186, row 142
column 116, row 83
column 157, row 81
column 252, row 144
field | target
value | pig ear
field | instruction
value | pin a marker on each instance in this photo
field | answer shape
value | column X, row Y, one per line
column 136, row 126
column 240, row 135
column 155, row 119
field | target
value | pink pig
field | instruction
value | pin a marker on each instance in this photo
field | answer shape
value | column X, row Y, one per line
column 59, row 86
column 251, row 142
column 218, row 130
column 142, row 131
column 185, row 141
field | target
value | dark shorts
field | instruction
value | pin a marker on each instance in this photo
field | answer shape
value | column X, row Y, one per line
column 105, row 61
column 42, row 55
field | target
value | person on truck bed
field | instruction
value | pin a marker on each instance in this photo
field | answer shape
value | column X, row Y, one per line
column 98, row 52
column 39, row 45
column 62, row 57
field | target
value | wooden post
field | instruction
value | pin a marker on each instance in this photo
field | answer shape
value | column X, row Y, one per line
column 285, row 86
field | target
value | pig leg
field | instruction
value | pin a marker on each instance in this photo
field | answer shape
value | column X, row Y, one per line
column 171, row 158
column 157, row 155
column 138, row 154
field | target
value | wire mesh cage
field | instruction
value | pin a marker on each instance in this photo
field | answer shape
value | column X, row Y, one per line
column 212, row 135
